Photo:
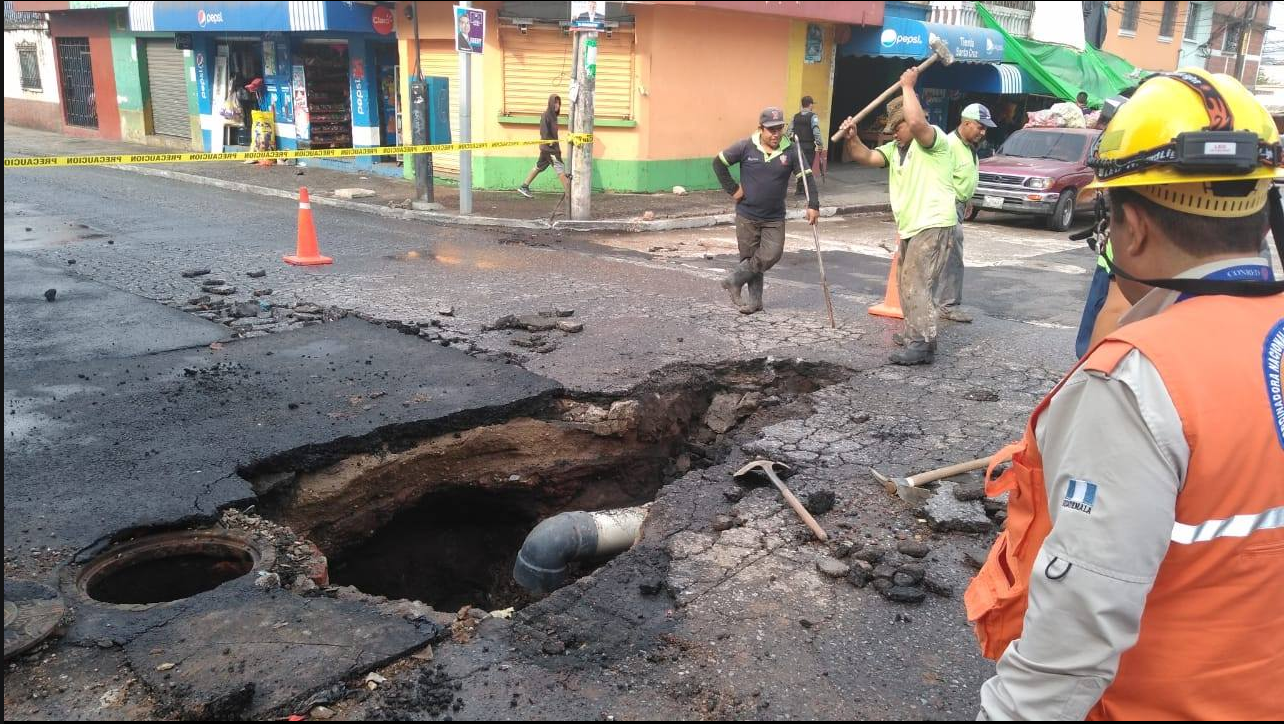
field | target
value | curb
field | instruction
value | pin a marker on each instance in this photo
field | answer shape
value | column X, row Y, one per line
column 624, row 225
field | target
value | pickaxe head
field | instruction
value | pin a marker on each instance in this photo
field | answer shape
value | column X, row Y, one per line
column 901, row 488
column 780, row 469
column 940, row 48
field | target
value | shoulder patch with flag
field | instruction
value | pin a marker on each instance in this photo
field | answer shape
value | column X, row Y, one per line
column 1080, row 496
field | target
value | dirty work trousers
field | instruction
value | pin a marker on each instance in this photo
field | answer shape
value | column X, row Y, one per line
column 761, row 243
column 949, row 292
column 922, row 257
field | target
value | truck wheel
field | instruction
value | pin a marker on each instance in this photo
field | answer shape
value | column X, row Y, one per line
column 1063, row 215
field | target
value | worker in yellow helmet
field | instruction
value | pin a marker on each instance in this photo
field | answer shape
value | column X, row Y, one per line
column 1140, row 572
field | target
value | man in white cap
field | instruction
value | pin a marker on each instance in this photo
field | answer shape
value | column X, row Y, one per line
column 963, row 143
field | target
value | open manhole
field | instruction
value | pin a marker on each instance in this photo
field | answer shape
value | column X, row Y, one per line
column 440, row 518
column 169, row 567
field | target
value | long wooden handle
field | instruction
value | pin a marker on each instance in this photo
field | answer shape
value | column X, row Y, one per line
column 824, row 283
column 881, row 99
column 800, row 510
column 942, row 473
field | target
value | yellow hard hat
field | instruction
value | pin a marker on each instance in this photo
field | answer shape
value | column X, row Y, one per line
column 1188, row 127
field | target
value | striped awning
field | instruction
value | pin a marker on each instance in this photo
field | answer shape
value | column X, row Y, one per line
column 1001, row 78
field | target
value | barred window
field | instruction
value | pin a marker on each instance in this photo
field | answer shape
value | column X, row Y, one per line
column 29, row 62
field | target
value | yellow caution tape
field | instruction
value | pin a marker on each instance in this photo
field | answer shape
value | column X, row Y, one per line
column 195, row 157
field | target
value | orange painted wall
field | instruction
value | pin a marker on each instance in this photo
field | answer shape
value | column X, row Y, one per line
column 701, row 90
column 1145, row 49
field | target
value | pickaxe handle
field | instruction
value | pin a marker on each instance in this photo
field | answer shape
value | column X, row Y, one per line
column 932, row 476
column 797, row 506
column 881, row 99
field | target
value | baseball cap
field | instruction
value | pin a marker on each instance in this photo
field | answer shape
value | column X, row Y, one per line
column 979, row 113
column 771, row 117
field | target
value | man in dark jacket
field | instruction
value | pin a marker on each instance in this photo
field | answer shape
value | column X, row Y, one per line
column 767, row 160
column 808, row 135
column 550, row 154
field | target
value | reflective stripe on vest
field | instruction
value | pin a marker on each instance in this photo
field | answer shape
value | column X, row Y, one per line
column 1239, row 526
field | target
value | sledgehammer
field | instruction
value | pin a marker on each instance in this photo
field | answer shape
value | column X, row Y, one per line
column 767, row 467
column 940, row 51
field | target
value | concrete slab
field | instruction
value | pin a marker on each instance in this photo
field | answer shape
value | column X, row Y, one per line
column 246, row 653
column 86, row 320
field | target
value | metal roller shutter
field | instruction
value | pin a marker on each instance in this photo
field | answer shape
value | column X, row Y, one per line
column 538, row 64
column 166, row 88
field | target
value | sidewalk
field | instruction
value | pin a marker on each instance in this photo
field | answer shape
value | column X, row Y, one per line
column 846, row 189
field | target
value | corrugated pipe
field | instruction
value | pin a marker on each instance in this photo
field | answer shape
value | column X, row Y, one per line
column 573, row 536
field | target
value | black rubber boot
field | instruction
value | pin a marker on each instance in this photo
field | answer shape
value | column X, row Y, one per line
column 734, row 281
column 914, row 353
column 754, row 303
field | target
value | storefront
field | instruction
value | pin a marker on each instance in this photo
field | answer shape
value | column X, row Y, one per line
column 670, row 85
column 308, row 72
column 874, row 58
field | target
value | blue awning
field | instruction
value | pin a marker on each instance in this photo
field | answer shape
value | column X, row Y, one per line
column 217, row 17
column 909, row 38
column 1003, row 78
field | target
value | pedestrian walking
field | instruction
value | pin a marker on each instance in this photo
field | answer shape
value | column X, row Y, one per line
column 550, row 154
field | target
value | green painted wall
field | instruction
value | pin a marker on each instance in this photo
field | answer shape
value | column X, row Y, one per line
column 507, row 172
column 131, row 84
column 130, row 81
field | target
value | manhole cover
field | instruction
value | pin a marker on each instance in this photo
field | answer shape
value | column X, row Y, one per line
column 169, row 567
column 31, row 613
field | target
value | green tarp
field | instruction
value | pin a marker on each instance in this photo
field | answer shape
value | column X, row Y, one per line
column 1065, row 71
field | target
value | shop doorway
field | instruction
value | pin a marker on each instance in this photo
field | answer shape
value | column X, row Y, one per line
column 857, row 81
column 243, row 63
column 328, row 103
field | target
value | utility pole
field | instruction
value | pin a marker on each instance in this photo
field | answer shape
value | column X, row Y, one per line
column 465, row 128
column 421, row 162
column 584, row 80
column 1241, row 48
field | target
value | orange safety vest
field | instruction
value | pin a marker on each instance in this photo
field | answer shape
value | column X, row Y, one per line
column 1211, row 644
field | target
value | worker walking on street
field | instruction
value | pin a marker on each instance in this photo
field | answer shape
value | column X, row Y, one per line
column 1140, row 574
column 963, row 143
column 807, row 133
column 767, row 162
column 920, row 167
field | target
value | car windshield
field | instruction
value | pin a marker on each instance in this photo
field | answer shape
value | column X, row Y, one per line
column 1044, row 144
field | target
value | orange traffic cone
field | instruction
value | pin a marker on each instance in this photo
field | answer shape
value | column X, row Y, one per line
column 891, row 304
column 307, row 253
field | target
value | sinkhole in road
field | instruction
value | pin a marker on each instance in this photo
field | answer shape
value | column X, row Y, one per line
column 441, row 518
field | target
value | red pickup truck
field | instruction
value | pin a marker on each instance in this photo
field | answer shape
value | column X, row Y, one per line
column 1039, row 171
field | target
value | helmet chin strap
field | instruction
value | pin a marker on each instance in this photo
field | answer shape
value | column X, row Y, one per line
column 1223, row 286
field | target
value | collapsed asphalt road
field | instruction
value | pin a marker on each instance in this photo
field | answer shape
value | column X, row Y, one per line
column 125, row 417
